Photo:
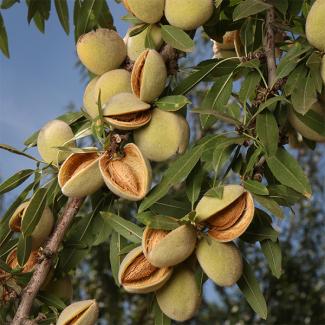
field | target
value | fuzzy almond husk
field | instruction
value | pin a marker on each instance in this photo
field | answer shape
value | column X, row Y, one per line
column 137, row 275
column 149, row 76
column 163, row 248
column 79, row 175
column 126, row 111
column 166, row 135
column 180, row 297
column 147, row 11
column 221, row 262
column 101, row 50
column 83, row 312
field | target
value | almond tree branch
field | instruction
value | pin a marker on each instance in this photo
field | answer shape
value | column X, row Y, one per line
column 45, row 261
column 269, row 46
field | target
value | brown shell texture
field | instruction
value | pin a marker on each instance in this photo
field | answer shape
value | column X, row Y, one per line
column 137, row 72
column 141, row 271
column 231, row 222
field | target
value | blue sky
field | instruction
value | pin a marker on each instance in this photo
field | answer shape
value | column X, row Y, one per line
column 39, row 80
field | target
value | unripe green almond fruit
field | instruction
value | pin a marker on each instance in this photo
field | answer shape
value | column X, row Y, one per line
column 180, row 297
column 166, row 135
column 221, row 262
column 303, row 129
column 188, row 14
column 79, row 313
column 89, row 102
column 315, row 30
column 101, row 50
column 163, row 248
column 129, row 176
column 53, row 134
column 137, row 275
column 79, row 175
column 61, row 288
column 111, row 83
column 42, row 229
column 149, row 76
column 147, row 11
column 126, row 111
column 136, row 44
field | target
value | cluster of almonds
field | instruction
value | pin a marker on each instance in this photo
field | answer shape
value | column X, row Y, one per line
column 164, row 263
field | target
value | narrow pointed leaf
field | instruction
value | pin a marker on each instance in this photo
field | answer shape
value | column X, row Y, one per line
column 62, row 10
column 15, row 180
column 252, row 291
column 177, row 38
column 24, row 249
column 288, row 172
column 272, row 252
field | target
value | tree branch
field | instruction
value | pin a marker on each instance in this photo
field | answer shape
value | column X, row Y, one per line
column 269, row 46
column 44, row 264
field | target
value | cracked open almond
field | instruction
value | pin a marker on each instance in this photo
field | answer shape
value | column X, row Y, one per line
column 229, row 217
column 167, row 248
column 29, row 266
column 126, row 111
column 79, row 175
column 129, row 176
column 42, row 229
column 148, row 76
column 137, row 275
column 79, row 313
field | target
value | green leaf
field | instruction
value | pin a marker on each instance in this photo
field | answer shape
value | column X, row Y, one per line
column 4, row 266
column 158, row 221
column 268, row 132
column 313, row 120
column 217, row 3
column 256, row 187
column 260, row 228
column 177, row 38
column 34, row 211
column 248, row 87
column 17, row 152
column 39, row 22
column 3, row 38
column 288, row 172
column 8, row 246
column 248, row 8
column 215, row 100
column 314, row 63
column 148, row 41
column 15, row 180
column 105, row 18
column 85, row 15
column 160, row 317
column 62, row 10
column 171, row 207
column 252, row 160
column 272, row 252
column 172, row 103
column 305, row 96
column 194, row 183
column 294, row 79
column 24, row 249
column 116, row 244
column 284, row 195
column 216, row 191
column 6, row 4
column 252, row 291
column 51, row 300
column 270, row 205
column 138, row 30
column 125, row 228
column 221, row 155
column 193, row 79
column 177, row 171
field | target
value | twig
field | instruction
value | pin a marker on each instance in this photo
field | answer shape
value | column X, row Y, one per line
column 43, row 267
column 269, row 46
